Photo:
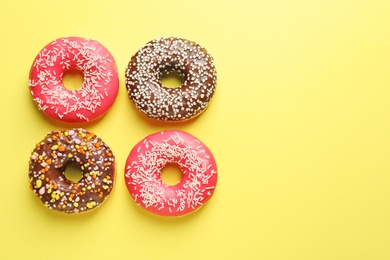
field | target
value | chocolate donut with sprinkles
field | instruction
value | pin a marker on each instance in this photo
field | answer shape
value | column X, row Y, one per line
column 98, row 91
column 146, row 161
column 54, row 153
column 160, row 57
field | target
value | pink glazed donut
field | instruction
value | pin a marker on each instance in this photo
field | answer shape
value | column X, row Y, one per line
column 98, row 91
column 146, row 161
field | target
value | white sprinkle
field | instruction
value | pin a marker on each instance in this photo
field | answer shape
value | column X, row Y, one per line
column 143, row 174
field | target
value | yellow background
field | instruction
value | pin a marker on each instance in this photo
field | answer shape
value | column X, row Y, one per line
column 299, row 126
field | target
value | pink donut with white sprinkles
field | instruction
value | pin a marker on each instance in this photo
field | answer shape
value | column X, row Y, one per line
column 146, row 161
column 98, row 91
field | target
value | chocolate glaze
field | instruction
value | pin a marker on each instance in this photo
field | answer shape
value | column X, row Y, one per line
column 164, row 55
column 54, row 153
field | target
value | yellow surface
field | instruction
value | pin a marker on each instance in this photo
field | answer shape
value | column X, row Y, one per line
column 299, row 126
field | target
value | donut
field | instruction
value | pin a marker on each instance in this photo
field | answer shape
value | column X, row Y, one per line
column 162, row 56
column 98, row 91
column 146, row 161
column 54, row 153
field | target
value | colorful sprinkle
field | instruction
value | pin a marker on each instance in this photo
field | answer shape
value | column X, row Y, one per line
column 47, row 167
column 38, row 183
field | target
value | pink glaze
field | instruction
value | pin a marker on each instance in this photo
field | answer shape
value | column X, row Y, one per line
column 148, row 158
column 93, row 98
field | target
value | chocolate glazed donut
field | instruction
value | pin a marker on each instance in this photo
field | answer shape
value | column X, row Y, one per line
column 54, row 153
column 162, row 56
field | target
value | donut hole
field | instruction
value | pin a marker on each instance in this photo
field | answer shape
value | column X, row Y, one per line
column 73, row 79
column 73, row 172
column 171, row 174
column 172, row 78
